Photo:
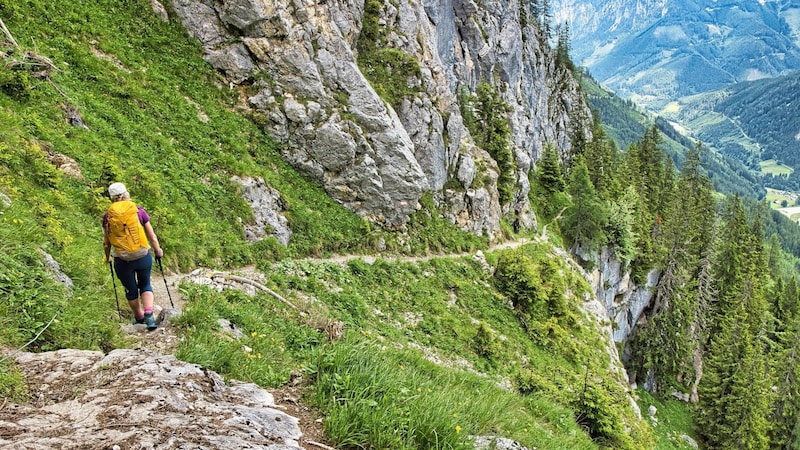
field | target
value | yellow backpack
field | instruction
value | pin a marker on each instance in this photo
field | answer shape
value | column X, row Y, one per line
column 125, row 232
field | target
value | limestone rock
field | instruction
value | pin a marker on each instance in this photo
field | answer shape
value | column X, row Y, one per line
column 624, row 301
column 497, row 443
column 268, row 210
column 379, row 159
column 159, row 10
column 87, row 399
column 691, row 442
column 55, row 270
column 65, row 164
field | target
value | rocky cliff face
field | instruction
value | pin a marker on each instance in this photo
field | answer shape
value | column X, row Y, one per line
column 296, row 64
column 624, row 301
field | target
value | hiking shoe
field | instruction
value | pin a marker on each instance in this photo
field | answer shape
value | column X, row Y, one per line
column 138, row 321
column 150, row 321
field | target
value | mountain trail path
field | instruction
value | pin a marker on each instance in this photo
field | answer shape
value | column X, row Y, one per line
column 164, row 340
column 144, row 397
column 167, row 295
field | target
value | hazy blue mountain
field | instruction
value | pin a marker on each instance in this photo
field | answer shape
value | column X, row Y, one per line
column 653, row 51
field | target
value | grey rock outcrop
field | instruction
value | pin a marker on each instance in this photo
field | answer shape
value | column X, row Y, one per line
column 133, row 398
column 689, row 441
column 596, row 309
column 159, row 10
column 296, row 60
column 54, row 268
column 267, row 208
column 497, row 443
column 356, row 149
column 623, row 300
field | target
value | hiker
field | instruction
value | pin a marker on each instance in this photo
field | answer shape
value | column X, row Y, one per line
column 126, row 232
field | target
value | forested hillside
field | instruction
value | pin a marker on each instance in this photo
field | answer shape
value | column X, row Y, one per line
column 718, row 319
column 767, row 112
column 751, row 122
column 432, row 352
column 724, row 311
column 625, row 123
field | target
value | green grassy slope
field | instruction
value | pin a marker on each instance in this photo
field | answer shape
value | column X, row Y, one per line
column 143, row 92
column 144, row 99
column 433, row 351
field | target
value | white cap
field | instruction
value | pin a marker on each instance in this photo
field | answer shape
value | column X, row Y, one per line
column 116, row 189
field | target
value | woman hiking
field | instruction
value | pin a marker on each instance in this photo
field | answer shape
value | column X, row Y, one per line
column 126, row 232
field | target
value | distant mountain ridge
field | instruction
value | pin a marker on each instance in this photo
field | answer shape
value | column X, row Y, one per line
column 653, row 51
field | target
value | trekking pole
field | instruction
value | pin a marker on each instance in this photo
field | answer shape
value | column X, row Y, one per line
column 165, row 282
column 111, row 266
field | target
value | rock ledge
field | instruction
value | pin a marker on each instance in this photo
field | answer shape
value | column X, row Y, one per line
column 138, row 399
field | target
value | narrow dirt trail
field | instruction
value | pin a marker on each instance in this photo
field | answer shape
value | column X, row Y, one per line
column 167, row 295
column 166, row 285
column 372, row 258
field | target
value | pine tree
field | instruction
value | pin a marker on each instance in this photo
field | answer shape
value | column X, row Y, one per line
column 706, row 294
column 564, row 47
column 619, row 228
column 785, row 416
column 646, row 252
column 667, row 344
column 646, row 167
column 492, row 133
column 601, row 154
column 549, row 173
column 694, row 200
column 774, row 256
column 584, row 220
column 657, row 171
column 545, row 17
column 754, row 399
column 730, row 260
column 734, row 394
column 786, row 354
column 550, row 184
column 789, row 302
